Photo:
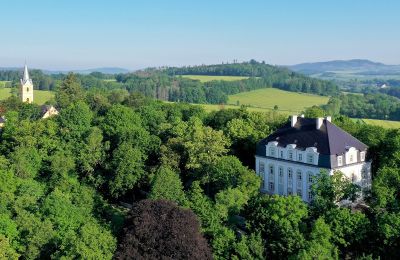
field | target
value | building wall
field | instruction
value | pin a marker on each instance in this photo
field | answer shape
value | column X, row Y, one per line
column 275, row 174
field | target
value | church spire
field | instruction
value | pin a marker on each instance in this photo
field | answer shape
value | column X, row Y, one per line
column 26, row 74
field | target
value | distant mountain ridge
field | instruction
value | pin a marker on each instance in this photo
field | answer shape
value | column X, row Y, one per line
column 105, row 70
column 361, row 66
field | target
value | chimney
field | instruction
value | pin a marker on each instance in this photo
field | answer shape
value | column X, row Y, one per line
column 293, row 120
column 328, row 118
column 319, row 122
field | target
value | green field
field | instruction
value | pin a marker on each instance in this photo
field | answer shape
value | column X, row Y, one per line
column 205, row 78
column 267, row 98
column 211, row 107
column 40, row 96
column 382, row 123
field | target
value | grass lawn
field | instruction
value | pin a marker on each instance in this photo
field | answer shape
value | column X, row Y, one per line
column 39, row 96
column 289, row 102
column 382, row 123
column 206, row 78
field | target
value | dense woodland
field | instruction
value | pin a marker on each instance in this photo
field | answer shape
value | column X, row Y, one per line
column 188, row 175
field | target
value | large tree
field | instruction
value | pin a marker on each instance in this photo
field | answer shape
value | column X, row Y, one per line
column 158, row 229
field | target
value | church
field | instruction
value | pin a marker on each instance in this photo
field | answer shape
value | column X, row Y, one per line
column 26, row 95
column 288, row 160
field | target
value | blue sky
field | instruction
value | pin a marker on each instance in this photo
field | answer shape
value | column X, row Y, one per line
column 76, row 34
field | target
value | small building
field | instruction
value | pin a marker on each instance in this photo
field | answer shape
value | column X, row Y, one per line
column 48, row 111
column 290, row 158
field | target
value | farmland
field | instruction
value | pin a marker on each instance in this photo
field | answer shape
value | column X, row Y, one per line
column 382, row 123
column 206, row 78
column 268, row 98
column 40, row 96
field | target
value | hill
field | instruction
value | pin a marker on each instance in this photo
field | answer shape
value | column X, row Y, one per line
column 105, row 70
column 343, row 69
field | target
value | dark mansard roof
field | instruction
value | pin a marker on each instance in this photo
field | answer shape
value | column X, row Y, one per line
column 328, row 139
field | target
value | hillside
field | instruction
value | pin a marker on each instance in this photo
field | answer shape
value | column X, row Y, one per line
column 347, row 69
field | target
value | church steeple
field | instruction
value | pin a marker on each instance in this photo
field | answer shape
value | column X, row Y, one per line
column 26, row 74
column 26, row 90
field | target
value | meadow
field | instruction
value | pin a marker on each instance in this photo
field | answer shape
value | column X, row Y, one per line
column 382, row 123
column 268, row 98
column 206, row 78
column 40, row 96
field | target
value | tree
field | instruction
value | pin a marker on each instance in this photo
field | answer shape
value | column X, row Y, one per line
column 318, row 246
column 386, row 189
column 314, row 112
column 328, row 191
column 26, row 162
column 69, row 92
column 126, row 168
column 168, row 186
column 75, row 120
column 157, row 229
column 6, row 251
column 203, row 145
column 279, row 220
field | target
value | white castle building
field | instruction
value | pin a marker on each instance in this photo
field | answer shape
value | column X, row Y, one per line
column 288, row 159
column 26, row 89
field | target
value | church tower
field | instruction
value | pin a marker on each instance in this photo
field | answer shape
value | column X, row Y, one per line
column 26, row 90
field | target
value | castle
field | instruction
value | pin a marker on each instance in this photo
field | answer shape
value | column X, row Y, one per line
column 288, row 160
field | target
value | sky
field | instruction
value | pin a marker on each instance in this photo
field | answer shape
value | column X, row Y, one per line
column 77, row 34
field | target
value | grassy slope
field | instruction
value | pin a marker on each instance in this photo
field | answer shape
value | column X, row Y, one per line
column 382, row 123
column 205, row 78
column 40, row 96
column 286, row 101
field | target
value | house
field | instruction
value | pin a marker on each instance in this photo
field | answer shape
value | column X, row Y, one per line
column 48, row 111
column 290, row 158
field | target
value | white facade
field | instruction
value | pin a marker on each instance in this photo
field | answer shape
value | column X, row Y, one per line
column 26, row 89
column 290, row 171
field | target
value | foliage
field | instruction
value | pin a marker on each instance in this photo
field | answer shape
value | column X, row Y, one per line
column 160, row 229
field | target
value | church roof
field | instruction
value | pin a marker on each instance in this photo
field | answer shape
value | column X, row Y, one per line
column 25, row 78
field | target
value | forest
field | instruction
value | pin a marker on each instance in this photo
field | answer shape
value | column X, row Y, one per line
column 120, row 175
column 165, row 83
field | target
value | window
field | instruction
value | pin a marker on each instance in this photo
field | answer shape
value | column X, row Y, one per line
column 300, row 157
column 362, row 156
column 271, row 169
column 271, row 187
column 310, row 158
column 281, row 154
column 280, row 175
column 290, row 173
column 353, row 177
column 310, row 177
column 272, row 151
column 310, row 196
column 351, row 158
column 299, row 175
column 340, row 160
column 290, row 155
column 27, row 89
column 299, row 193
column 289, row 191
column 261, row 167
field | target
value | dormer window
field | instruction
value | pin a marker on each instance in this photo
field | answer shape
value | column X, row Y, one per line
column 351, row 159
column 300, row 157
column 272, row 151
column 340, row 160
column 362, row 156
column 310, row 158
column 290, row 155
column 281, row 154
